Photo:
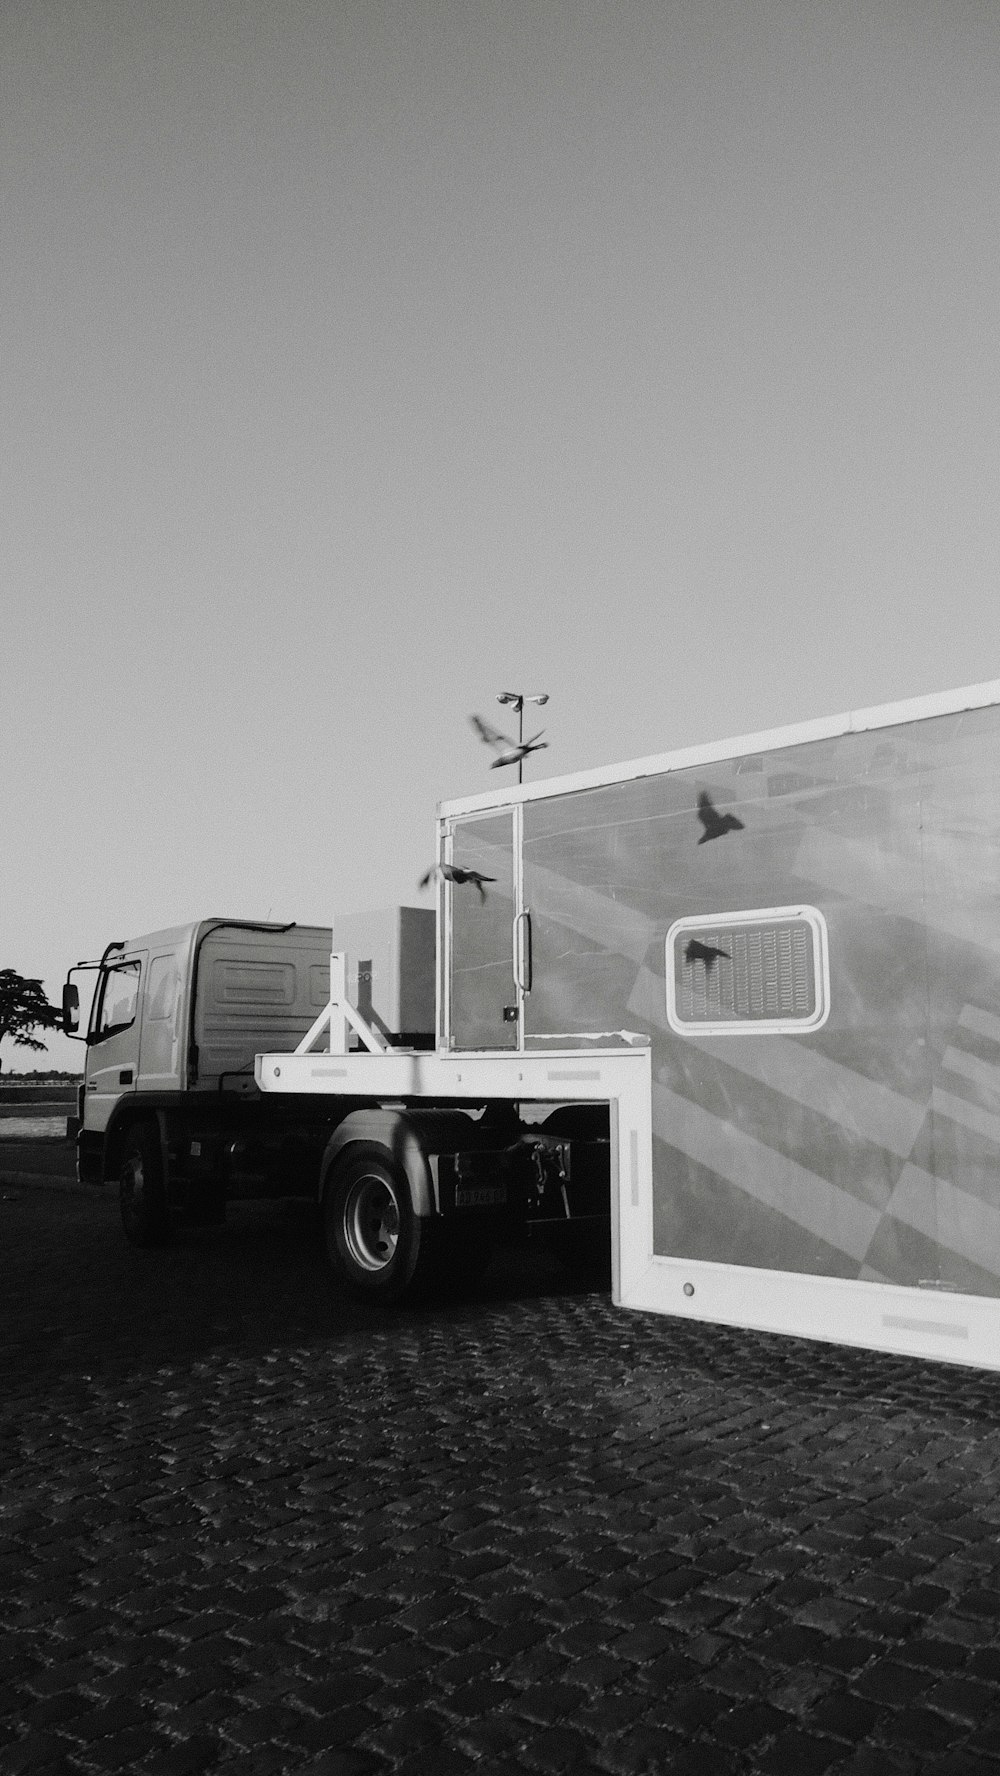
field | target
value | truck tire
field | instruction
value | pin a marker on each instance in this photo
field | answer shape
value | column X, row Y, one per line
column 142, row 1190
column 378, row 1248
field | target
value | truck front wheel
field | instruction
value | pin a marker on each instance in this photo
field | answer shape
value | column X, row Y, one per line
column 379, row 1249
column 142, row 1192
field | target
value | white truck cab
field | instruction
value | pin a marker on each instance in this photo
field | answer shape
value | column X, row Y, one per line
column 184, row 1010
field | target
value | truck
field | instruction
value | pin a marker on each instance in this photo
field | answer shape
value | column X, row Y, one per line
column 169, row 1108
column 741, row 1001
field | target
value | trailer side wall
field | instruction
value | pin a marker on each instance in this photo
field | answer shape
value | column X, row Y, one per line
column 866, row 1144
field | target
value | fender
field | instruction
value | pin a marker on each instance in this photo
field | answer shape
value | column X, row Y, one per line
column 127, row 1111
column 395, row 1130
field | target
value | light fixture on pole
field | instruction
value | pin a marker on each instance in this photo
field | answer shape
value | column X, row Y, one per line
column 517, row 700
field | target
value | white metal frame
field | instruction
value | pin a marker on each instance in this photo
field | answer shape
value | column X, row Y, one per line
column 337, row 1014
column 620, row 1078
column 833, row 727
column 944, row 1326
column 956, row 1328
column 445, row 924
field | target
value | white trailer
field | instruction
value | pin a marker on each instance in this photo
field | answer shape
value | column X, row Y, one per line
column 766, row 973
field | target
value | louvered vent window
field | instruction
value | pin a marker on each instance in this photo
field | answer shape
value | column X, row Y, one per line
column 765, row 970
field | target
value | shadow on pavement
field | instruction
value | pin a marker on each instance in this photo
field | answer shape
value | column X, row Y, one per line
column 80, row 1301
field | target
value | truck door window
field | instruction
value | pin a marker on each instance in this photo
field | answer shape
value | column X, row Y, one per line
column 119, row 998
column 161, row 987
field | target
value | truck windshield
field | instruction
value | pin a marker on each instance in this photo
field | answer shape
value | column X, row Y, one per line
column 119, row 997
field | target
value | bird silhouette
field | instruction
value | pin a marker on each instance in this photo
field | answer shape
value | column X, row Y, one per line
column 707, row 953
column 453, row 872
column 513, row 750
column 715, row 824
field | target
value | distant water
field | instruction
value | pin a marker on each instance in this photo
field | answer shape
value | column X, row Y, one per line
column 33, row 1128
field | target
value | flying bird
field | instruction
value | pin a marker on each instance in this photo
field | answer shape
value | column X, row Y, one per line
column 707, row 953
column 513, row 750
column 715, row 824
column 452, row 872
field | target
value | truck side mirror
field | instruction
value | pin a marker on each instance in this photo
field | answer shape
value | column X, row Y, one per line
column 70, row 1009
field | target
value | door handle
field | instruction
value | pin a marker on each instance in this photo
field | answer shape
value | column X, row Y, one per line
column 522, row 951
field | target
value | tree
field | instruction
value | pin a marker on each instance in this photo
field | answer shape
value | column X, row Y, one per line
column 24, row 1008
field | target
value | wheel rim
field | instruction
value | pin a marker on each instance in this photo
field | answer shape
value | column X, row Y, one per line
column 371, row 1222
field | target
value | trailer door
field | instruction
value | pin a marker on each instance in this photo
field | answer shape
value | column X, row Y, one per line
column 483, row 996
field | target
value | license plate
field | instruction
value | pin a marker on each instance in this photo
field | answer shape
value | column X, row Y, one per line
column 480, row 1196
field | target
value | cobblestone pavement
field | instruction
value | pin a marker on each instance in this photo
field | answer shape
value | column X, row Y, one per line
column 245, row 1526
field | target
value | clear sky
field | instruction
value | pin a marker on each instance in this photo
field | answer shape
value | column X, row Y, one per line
column 362, row 360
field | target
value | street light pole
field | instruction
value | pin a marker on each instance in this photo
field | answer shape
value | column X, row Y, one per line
column 517, row 700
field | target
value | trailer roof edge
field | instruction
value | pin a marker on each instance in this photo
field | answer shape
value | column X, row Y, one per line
column 883, row 715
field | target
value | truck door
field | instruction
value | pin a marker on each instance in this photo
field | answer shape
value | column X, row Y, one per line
column 160, row 1036
column 113, row 1041
column 484, row 940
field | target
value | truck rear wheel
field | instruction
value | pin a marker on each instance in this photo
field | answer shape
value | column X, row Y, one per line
column 142, row 1191
column 379, row 1249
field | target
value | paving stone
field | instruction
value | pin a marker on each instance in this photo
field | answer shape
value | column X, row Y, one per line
column 417, row 1730
column 749, row 1723
column 985, row 1664
column 608, row 1715
column 630, row 1610
column 557, row 1749
column 461, row 1669
column 523, row 1532
column 739, row 1676
column 122, row 1751
column 891, row 1682
column 695, row 1706
column 188, row 1757
column 923, row 1729
column 980, row 1603
column 872, row 1760
column 547, row 1701
column 581, row 1638
column 315, row 1733
column 670, row 1669
column 36, row 1750
column 114, row 1718
column 599, row 1671
column 986, row 1738
column 643, row 1748
column 692, row 1759
column 677, row 1582
column 481, row 1697
column 791, row 1643
column 962, row 1698
column 642, row 1644
column 64, row 1706
column 493, row 1738
column 796, row 1753
column 439, row 1760
column 513, row 1639
column 957, row 1763
column 845, row 1715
